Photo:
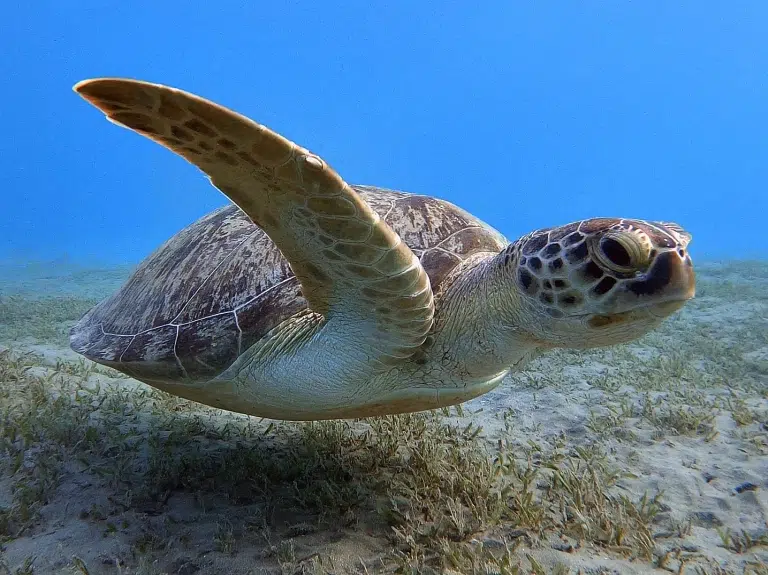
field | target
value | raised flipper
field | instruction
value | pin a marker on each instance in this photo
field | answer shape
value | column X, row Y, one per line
column 352, row 266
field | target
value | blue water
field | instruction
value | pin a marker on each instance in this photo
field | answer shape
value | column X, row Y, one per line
column 526, row 114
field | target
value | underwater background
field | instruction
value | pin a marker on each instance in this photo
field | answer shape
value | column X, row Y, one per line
column 646, row 457
column 526, row 114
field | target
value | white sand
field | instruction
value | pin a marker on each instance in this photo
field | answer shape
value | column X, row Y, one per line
column 625, row 402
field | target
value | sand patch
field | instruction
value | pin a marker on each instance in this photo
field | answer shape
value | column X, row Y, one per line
column 644, row 457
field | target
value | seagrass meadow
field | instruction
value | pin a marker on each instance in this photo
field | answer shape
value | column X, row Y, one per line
column 347, row 210
column 645, row 457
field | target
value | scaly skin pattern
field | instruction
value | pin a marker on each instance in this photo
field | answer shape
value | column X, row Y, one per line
column 366, row 329
column 593, row 283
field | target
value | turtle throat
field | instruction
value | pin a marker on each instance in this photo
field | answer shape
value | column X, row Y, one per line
column 480, row 322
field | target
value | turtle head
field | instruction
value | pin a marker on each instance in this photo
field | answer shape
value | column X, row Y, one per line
column 600, row 281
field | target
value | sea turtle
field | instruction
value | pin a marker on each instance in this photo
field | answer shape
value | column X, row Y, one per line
column 310, row 298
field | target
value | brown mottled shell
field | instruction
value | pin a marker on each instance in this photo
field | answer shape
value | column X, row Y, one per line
column 220, row 284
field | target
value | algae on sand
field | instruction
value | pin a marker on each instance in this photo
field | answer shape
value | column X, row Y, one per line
column 621, row 459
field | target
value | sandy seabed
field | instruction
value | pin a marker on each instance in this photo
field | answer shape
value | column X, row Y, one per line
column 647, row 457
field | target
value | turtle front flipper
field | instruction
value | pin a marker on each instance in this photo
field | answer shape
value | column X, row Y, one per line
column 353, row 268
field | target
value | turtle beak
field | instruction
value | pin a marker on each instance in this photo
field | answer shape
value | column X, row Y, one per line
column 670, row 277
column 670, row 280
column 682, row 280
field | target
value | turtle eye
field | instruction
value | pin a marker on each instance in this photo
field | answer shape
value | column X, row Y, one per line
column 622, row 252
column 616, row 253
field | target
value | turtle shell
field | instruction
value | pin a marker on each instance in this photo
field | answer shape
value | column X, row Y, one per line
column 220, row 284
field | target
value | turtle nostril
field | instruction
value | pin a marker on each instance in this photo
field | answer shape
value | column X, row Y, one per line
column 615, row 252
